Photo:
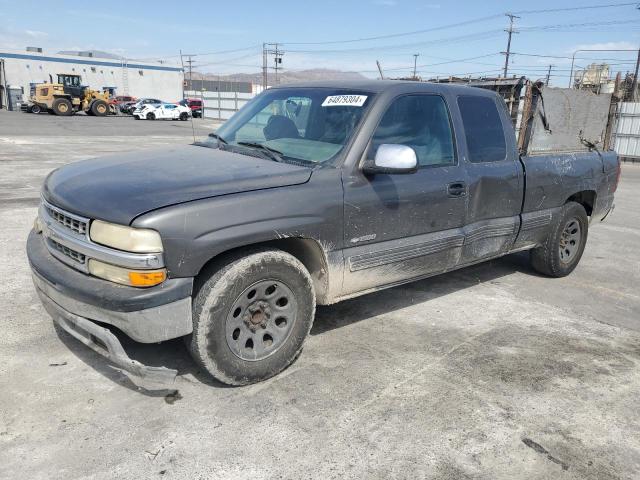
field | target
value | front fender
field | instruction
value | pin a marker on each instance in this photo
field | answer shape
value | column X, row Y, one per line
column 195, row 232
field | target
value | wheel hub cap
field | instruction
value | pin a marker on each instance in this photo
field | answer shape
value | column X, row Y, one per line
column 570, row 239
column 261, row 320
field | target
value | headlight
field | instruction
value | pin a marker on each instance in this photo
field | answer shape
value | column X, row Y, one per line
column 124, row 276
column 137, row 240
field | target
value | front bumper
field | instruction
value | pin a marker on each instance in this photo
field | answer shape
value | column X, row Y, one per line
column 76, row 301
column 104, row 342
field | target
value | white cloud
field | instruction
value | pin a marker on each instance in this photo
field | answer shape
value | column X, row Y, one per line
column 35, row 33
column 386, row 3
column 622, row 45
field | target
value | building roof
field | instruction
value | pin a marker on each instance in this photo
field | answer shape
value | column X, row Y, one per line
column 83, row 60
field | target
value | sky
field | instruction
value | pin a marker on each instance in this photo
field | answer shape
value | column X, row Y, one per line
column 459, row 38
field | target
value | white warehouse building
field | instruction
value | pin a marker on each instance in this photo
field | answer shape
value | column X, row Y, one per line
column 19, row 70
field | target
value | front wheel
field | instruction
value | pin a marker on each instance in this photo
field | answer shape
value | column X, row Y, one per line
column 251, row 317
column 99, row 108
column 562, row 250
column 184, row 116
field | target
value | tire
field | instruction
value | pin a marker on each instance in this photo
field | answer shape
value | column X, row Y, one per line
column 62, row 107
column 50, row 112
column 99, row 108
column 151, row 116
column 228, row 318
column 35, row 109
column 563, row 248
column 184, row 116
column 136, row 117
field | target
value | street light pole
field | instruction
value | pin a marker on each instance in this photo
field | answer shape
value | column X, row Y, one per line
column 415, row 61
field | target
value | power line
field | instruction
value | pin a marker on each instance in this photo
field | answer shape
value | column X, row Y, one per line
column 402, row 34
column 471, row 36
column 227, row 60
column 583, row 7
column 559, row 56
column 462, row 24
column 572, row 25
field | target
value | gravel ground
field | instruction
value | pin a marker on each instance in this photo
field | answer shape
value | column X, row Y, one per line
column 490, row 372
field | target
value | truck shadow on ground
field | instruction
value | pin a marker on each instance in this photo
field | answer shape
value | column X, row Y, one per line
column 173, row 354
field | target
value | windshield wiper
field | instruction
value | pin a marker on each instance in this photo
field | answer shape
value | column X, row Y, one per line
column 274, row 154
column 218, row 138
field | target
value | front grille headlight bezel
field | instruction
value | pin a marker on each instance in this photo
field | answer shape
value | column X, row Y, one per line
column 127, row 239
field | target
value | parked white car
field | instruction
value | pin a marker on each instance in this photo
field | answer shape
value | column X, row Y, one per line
column 164, row 111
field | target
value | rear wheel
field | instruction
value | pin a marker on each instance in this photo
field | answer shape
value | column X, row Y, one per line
column 151, row 116
column 62, row 107
column 251, row 317
column 35, row 109
column 184, row 116
column 99, row 108
column 561, row 252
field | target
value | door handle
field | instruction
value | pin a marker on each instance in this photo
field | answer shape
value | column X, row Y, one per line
column 457, row 189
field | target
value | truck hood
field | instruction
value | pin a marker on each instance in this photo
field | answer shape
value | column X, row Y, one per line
column 121, row 187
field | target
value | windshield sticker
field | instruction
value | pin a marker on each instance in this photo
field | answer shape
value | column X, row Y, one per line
column 344, row 101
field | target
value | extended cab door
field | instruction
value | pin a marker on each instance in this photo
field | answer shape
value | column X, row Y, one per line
column 404, row 226
column 495, row 177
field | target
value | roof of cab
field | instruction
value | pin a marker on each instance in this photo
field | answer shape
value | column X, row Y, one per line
column 379, row 86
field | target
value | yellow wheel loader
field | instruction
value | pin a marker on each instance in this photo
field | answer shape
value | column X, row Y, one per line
column 68, row 96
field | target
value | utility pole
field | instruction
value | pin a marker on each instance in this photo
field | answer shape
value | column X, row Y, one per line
column 415, row 61
column 510, row 31
column 264, row 66
column 548, row 75
column 634, row 85
column 183, row 82
column 277, row 60
column 190, row 61
column 380, row 70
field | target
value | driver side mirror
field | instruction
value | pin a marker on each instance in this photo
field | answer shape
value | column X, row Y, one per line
column 392, row 159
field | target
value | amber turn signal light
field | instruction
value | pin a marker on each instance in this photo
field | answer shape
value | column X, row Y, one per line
column 147, row 279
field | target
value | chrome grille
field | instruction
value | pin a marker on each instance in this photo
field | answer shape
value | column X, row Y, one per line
column 72, row 254
column 67, row 221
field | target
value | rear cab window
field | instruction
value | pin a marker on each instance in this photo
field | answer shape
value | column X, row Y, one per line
column 483, row 129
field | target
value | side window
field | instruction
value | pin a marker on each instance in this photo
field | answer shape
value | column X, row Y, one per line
column 483, row 129
column 420, row 122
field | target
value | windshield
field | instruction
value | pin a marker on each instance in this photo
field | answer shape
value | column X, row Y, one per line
column 305, row 124
column 69, row 80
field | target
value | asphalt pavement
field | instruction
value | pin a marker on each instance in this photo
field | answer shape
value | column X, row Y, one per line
column 490, row 372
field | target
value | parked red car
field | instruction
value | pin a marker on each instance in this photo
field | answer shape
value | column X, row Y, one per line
column 195, row 104
column 122, row 99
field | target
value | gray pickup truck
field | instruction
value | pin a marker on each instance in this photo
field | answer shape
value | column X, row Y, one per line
column 311, row 194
